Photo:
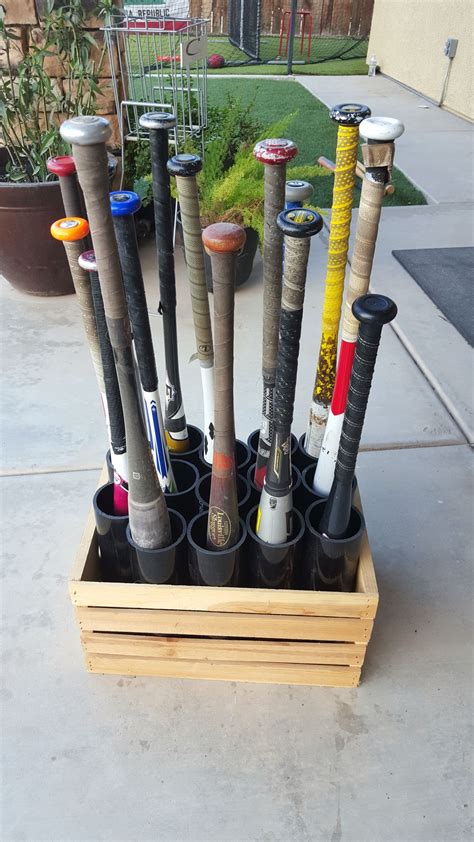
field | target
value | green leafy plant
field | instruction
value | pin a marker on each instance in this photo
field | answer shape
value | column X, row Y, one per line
column 228, row 127
column 237, row 196
column 32, row 103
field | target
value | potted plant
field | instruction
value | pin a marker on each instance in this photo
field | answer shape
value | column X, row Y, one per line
column 48, row 76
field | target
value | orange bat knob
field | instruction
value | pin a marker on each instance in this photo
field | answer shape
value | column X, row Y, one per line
column 223, row 237
column 70, row 229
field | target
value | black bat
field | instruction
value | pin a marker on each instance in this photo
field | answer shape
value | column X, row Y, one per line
column 159, row 124
column 373, row 312
column 274, row 518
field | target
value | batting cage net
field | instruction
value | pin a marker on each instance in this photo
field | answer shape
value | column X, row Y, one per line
column 244, row 27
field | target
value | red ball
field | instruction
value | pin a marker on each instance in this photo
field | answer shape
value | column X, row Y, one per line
column 216, row 60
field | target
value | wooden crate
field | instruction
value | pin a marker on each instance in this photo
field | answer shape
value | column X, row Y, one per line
column 234, row 634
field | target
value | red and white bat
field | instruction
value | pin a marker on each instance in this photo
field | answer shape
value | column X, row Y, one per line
column 378, row 151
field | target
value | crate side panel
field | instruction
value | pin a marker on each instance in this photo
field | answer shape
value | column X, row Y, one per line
column 210, row 624
column 229, row 600
column 219, row 649
column 267, row 673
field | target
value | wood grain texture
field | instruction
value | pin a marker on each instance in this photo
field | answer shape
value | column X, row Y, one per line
column 326, row 676
column 220, row 649
column 213, row 624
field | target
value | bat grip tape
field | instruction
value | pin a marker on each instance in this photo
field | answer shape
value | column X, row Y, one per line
column 112, row 393
column 163, row 216
column 359, row 389
column 136, row 300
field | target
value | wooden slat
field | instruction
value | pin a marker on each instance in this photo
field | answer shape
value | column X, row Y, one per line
column 233, row 600
column 201, row 649
column 328, row 676
column 210, row 624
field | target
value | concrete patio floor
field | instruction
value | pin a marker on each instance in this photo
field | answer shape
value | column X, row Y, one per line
column 89, row 758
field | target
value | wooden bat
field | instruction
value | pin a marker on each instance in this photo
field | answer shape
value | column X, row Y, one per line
column 372, row 311
column 360, row 172
column 275, row 514
column 222, row 242
column 348, row 117
column 185, row 168
column 158, row 125
column 114, row 411
column 124, row 204
column 274, row 154
column 378, row 152
column 149, row 519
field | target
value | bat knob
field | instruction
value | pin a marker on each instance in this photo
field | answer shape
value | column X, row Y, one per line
column 70, row 229
column 61, row 165
column 184, row 165
column 157, row 120
column 86, row 130
column 298, row 191
column 349, row 113
column 299, row 222
column 275, row 150
column 124, row 202
column 374, row 310
column 381, row 129
column 87, row 261
column 223, row 237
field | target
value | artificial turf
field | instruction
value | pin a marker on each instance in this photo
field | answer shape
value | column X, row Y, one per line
column 312, row 130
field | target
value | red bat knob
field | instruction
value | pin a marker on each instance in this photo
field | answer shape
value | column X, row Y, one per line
column 275, row 151
column 70, row 229
column 223, row 237
column 62, row 165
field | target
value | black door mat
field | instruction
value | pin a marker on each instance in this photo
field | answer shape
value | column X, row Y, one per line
column 447, row 277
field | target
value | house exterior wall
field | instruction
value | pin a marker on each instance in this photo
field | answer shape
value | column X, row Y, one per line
column 408, row 37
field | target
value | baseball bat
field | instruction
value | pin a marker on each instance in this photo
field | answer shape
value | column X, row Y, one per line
column 360, row 172
column 348, row 117
column 64, row 168
column 148, row 514
column 275, row 513
column 124, row 204
column 373, row 312
column 158, row 125
column 378, row 152
column 297, row 192
column 185, row 168
column 114, row 412
column 274, row 154
column 73, row 232
column 222, row 242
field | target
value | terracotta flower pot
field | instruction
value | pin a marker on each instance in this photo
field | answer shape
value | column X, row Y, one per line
column 31, row 260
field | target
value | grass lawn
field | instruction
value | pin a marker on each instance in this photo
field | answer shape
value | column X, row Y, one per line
column 312, row 130
column 336, row 67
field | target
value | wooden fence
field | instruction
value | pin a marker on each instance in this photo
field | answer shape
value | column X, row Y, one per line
column 330, row 17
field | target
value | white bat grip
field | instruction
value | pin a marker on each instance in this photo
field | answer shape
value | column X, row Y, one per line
column 207, row 379
column 324, row 473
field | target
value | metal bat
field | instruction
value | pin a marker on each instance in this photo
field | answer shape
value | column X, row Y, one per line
column 372, row 311
column 114, row 412
column 149, row 519
column 124, row 204
column 274, row 518
column 185, row 168
column 222, row 242
column 158, row 125
column 348, row 117
column 378, row 152
column 274, row 154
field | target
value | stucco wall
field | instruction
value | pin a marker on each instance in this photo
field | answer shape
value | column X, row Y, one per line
column 408, row 36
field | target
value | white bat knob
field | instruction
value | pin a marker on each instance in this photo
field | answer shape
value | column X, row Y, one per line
column 86, row 130
column 298, row 191
column 381, row 129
